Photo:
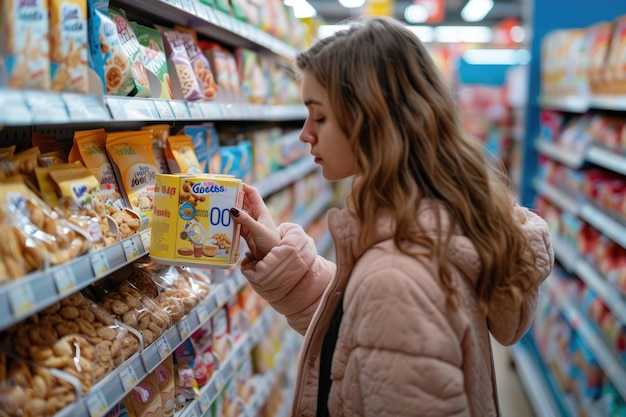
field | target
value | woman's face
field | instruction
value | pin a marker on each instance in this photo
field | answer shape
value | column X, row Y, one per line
column 329, row 146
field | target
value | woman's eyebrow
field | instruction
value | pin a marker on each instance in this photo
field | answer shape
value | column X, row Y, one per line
column 312, row 102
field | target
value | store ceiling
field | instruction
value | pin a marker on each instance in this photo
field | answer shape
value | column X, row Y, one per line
column 331, row 12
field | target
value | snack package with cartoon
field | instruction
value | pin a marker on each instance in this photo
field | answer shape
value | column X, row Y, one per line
column 152, row 41
column 106, row 56
column 192, row 215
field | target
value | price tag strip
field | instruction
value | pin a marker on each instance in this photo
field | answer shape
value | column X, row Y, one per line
column 183, row 329
column 163, row 347
column 99, row 263
column 96, row 404
column 130, row 249
column 129, row 378
column 22, row 300
column 64, row 280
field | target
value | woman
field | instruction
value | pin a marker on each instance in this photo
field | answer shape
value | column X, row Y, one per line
column 432, row 252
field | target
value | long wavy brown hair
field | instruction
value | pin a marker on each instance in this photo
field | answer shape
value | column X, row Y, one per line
column 402, row 121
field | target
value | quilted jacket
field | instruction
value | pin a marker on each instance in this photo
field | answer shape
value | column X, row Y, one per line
column 400, row 350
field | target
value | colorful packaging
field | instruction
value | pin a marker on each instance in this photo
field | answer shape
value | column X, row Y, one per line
column 152, row 41
column 181, row 156
column 134, row 52
column 199, row 62
column 24, row 45
column 192, row 215
column 160, row 134
column 185, row 85
column 135, row 167
column 106, row 55
column 199, row 134
column 68, row 45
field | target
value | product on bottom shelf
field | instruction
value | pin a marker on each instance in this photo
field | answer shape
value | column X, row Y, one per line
column 28, row 390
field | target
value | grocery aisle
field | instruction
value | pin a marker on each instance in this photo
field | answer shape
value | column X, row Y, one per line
column 513, row 400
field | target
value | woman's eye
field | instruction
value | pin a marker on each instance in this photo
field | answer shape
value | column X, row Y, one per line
column 319, row 120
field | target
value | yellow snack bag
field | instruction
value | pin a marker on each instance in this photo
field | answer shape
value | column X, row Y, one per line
column 91, row 149
column 136, row 168
column 181, row 156
column 47, row 187
column 160, row 132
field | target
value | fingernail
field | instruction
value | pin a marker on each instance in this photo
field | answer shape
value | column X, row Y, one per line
column 234, row 212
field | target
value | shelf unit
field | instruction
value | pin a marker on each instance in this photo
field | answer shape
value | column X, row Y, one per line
column 23, row 110
column 572, row 14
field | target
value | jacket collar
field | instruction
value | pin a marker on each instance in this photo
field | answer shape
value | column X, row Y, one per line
column 345, row 228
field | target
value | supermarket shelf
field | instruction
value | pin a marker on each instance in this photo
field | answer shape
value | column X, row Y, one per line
column 282, row 178
column 534, row 384
column 227, row 369
column 581, row 104
column 607, row 159
column 115, row 386
column 572, row 104
column 559, row 154
column 612, row 366
column 607, row 225
column 573, row 262
column 314, row 211
column 26, row 107
column 557, row 197
column 611, row 228
column 38, row 290
column 210, row 22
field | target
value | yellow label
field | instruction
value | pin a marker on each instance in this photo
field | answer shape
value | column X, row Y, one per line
column 191, row 221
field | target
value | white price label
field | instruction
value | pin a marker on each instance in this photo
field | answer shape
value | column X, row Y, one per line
column 145, row 239
column 195, row 111
column 180, row 110
column 203, row 314
column 96, row 404
column 164, row 109
column 22, row 300
column 193, row 411
column 99, row 263
column 164, row 348
column 128, row 377
column 130, row 249
column 183, row 329
column 205, row 403
column 64, row 280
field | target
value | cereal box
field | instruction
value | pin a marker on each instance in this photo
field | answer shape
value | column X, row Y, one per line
column 24, row 46
column 191, row 223
column 68, row 45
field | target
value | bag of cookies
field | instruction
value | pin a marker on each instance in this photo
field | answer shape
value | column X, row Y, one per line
column 74, row 336
column 30, row 390
column 168, row 286
column 199, row 62
column 127, row 304
column 34, row 236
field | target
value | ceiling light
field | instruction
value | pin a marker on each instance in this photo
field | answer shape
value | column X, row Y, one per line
column 496, row 56
column 469, row 34
column 476, row 10
column 301, row 8
column 425, row 33
column 416, row 13
column 352, row 4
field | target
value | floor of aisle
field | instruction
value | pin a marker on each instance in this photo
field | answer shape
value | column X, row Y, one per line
column 513, row 400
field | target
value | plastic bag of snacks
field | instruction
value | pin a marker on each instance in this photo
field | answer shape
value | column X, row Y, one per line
column 34, row 236
column 75, row 336
column 129, row 306
column 31, row 390
column 169, row 286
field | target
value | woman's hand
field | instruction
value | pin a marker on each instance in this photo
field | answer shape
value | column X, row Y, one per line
column 257, row 225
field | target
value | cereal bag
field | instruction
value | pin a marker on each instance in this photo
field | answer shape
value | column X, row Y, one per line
column 68, row 45
column 152, row 41
column 186, row 86
column 24, row 46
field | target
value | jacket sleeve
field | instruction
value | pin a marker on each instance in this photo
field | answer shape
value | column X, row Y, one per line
column 405, row 359
column 508, row 326
column 291, row 277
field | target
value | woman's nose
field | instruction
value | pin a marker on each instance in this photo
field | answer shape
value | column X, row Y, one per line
column 306, row 135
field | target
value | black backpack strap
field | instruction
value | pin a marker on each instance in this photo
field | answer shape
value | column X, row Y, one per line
column 326, row 357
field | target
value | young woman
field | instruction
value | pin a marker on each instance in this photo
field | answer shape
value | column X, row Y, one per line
column 432, row 252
